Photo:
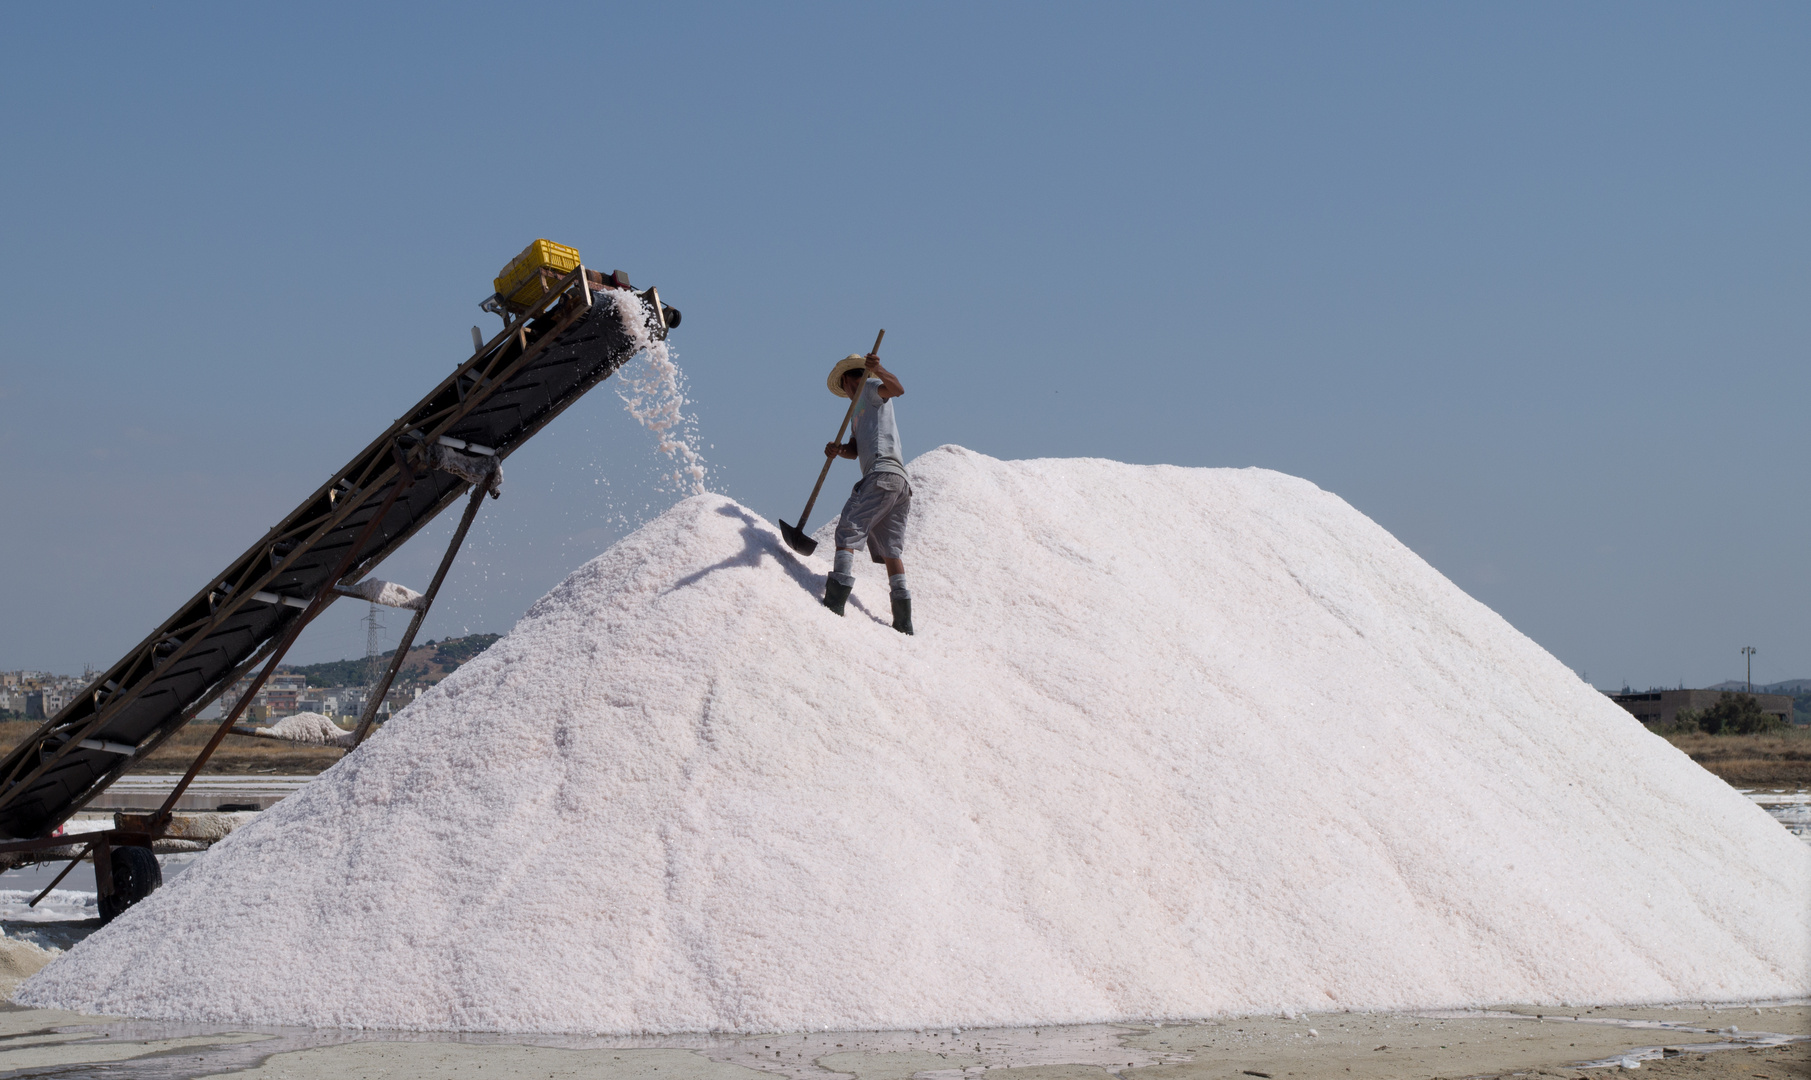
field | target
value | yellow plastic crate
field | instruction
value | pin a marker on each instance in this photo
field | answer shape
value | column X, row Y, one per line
column 520, row 282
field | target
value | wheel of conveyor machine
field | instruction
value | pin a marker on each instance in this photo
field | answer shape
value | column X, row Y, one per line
column 135, row 875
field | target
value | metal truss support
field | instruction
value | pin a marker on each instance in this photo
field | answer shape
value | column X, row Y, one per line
column 369, row 716
column 320, row 601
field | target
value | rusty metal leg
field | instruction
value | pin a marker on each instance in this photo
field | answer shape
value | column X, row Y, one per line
column 73, row 863
column 103, row 867
column 369, row 716
column 403, row 481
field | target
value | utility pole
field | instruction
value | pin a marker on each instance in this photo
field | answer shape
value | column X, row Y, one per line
column 374, row 643
column 1748, row 651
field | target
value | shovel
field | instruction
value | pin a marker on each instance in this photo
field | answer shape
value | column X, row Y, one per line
column 795, row 537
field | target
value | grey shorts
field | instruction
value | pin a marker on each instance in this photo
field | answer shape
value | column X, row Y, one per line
column 877, row 510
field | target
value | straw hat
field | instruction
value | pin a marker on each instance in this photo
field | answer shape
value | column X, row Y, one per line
column 847, row 364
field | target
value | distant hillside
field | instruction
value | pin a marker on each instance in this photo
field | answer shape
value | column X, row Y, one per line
column 1790, row 686
column 430, row 662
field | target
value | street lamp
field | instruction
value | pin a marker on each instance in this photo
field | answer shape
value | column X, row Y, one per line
column 1748, row 651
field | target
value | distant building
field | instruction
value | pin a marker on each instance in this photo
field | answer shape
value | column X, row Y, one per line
column 56, row 698
column 1662, row 706
column 285, row 694
column 280, row 694
column 344, row 700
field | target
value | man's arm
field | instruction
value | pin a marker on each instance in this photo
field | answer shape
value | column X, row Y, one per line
column 837, row 449
column 889, row 382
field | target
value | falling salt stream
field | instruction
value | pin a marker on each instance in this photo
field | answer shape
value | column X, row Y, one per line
column 652, row 389
column 1169, row 743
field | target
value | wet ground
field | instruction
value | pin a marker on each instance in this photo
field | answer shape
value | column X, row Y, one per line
column 1771, row 1042
column 1789, row 807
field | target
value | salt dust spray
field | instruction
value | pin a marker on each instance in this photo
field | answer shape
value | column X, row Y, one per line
column 652, row 388
column 593, row 485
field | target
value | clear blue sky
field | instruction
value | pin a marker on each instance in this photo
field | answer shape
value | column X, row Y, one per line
column 1527, row 283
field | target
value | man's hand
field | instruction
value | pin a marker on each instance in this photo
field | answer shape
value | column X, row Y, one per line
column 889, row 382
column 836, row 449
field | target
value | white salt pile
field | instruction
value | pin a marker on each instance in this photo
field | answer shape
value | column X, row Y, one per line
column 1169, row 742
column 307, row 727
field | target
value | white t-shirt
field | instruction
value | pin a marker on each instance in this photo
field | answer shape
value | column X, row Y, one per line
column 876, row 435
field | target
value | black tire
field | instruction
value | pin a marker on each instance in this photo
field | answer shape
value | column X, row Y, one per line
column 135, row 876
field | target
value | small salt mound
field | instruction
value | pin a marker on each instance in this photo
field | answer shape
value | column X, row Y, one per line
column 389, row 593
column 1169, row 742
column 307, row 727
column 19, row 959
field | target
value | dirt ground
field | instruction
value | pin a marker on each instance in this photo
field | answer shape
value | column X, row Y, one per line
column 1776, row 1063
column 1501, row 1043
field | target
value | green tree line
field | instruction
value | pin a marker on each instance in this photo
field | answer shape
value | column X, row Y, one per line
column 447, row 656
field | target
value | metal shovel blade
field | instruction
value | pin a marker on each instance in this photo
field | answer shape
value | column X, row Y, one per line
column 797, row 540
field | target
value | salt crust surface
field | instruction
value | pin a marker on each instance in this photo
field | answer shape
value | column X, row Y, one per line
column 1169, row 742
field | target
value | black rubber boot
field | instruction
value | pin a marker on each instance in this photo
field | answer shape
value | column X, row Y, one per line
column 902, row 614
column 836, row 595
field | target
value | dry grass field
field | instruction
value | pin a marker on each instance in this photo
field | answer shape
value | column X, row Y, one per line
column 1780, row 760
column 238, row 754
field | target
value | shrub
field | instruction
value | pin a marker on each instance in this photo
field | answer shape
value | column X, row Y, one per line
column 1735, row 714
column 1684, row 722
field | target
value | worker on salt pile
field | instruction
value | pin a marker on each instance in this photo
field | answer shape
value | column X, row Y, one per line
column 882, row 499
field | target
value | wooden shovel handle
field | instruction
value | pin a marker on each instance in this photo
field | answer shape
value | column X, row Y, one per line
column 848, row 415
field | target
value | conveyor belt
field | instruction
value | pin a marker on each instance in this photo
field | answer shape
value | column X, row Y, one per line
column 574, row 338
